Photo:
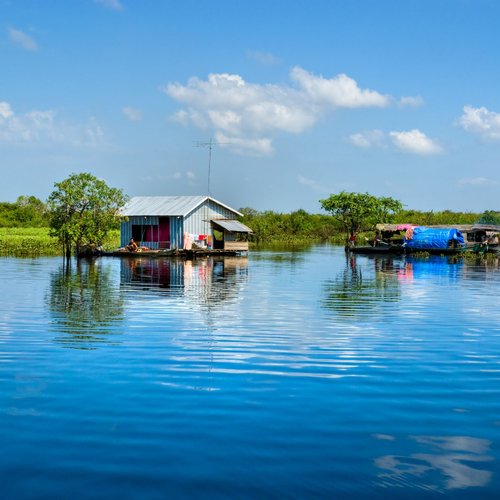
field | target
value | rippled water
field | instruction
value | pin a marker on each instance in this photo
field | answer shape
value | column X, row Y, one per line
column 284, row 375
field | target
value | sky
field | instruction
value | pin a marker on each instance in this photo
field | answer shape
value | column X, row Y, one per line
column 299, row 99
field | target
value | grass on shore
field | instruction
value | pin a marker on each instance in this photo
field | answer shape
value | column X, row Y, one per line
column 36, row 242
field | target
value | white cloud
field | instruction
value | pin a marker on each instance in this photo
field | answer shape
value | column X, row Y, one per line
column 179, row 176
column 481, row 121
column 338, row 92
column 43, row 126
column 265, row 58
column 262, row 146
column 368, row 139
column 23, row 40
column 5, row 110
column 110, row 4
column 248, row 114
column 477, row 181
column 312, row 184
column 132, row 114
column 415, row 101
column 414, row 141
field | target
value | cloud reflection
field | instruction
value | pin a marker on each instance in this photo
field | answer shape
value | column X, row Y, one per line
column 444, row 463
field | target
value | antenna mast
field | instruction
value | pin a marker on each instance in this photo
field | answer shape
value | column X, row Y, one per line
column 210, row 144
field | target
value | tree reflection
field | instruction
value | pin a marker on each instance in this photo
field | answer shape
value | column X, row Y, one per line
column 84, row 303
column 355, row 291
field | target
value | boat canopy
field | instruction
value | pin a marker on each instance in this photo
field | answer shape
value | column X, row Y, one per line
column 429, row 237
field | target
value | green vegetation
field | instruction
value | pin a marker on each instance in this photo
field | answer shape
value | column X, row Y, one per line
column 83, row 209
column 357, row 212
column 27, row 211
column 27, row 242
column 445, row 217
column 293, row 228
column 36, row 242
column 490, row 217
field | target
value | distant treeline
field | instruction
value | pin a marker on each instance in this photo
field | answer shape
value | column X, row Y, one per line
column 297, row 226
column 269, row 226
column 26, row 211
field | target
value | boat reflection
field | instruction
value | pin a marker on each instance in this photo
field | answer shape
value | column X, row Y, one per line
column 84, row 304
column 368, row 282
column 438, row 463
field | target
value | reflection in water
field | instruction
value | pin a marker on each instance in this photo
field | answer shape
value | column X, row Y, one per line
column 356, row 291
column 207, row 289
column 205, row 281
column 227, row 379
column 442, row 463
column 84, row 303
column 286, row 257
column 367, row 283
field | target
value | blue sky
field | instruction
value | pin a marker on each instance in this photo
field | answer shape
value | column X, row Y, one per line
column 303, row 98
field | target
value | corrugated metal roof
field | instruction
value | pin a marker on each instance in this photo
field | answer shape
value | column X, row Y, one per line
column 166, row 205
column 233, row 226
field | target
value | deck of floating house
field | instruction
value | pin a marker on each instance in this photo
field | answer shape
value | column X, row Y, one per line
column 184, row 225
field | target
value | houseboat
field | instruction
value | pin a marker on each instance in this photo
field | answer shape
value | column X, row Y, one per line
column 181, row 225
column 443, row 240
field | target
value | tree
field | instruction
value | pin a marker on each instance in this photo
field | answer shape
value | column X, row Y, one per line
column 30, row 211
column 360, row 211
column 490, row 217
column 83, row 210
column 27, row 211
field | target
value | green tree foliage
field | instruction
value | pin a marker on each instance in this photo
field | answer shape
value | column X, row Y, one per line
column 444, row 217
column 490, row 217
column 83, row 210
column 27, row 211
column 360, row 211
column 295, row 227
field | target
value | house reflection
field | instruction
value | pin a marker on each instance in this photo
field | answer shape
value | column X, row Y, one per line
column 438, row 463
column 209, row 280
column 208, row 289
column 84, row 304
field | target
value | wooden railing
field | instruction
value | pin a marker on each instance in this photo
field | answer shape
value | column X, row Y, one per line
column 237, row 246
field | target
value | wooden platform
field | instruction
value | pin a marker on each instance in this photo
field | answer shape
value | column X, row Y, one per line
column 186, row 254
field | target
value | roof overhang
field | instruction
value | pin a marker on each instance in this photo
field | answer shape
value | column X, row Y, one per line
column 232, row 226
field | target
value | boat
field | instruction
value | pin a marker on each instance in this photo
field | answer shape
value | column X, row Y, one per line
column 407, row 239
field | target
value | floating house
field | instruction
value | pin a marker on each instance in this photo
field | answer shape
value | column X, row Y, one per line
column 183, row 222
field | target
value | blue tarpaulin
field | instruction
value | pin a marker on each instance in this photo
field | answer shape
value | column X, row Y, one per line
column 429, row 237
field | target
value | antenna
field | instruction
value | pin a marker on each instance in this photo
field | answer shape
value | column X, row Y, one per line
column 210, row 144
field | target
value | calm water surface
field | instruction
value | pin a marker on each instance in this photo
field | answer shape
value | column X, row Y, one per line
column 281, row 375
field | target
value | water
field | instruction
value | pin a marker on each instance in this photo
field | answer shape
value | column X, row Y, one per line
column 284, row 375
